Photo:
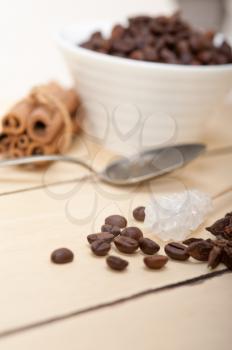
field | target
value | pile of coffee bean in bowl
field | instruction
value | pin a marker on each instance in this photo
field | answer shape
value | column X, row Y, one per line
column 162, row 39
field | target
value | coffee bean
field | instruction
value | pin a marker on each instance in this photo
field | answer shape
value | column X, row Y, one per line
column 148, row 246
column 156, row 261
column 139, row 213
column 200, row 250
column 188, row 241
column 62, row 256
column 106, row 228
column 132, row 232
column 126, row 244
column 116, row 263
column 205, row 57
column 182, row 46
column 168, row 56
column 116, row 220
column 103, row 236
column 137, row 55
column 124, row 45
column 161, row 39
column 100, row 248
column 115, row 230
column 150, row 54
column 118, row 32
column 176, row 251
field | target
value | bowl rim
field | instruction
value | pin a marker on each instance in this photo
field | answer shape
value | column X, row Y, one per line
column 75, row 49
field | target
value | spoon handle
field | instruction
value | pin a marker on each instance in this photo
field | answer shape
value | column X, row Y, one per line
column 45, row 158
column 218, row 151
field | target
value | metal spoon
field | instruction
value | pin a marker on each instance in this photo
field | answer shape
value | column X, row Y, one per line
column 141, row 167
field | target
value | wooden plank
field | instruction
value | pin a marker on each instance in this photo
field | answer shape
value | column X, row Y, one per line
column 198, row 316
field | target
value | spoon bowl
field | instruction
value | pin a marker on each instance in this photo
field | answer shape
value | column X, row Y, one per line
column 150, row 163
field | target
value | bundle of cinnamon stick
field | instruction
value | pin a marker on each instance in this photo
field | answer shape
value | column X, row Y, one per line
column 42, row 123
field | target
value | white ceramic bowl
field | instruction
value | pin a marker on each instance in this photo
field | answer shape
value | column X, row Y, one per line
column 132, row 104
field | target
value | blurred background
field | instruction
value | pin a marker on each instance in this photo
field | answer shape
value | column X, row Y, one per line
column 28, row 27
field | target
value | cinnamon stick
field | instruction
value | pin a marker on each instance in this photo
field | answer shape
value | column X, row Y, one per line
column 22, row 141
column 68, row 97
column 15, row 122
column 42, row 123
column 35, row 149
column 15, row 152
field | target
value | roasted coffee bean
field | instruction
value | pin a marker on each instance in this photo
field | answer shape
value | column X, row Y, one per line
column 150, row 54
column 168, row 56
column 118, row 32
column 103, row 236
column 155, row 262
column 148, row 246
column 116, row 263
column 186, row 58
column 182, row 46
column 116, row 220
column 126, row 244
column 161, row 39
column 100, row 248
column 188, row 241
column 200, row 250
column 137, row 55
column 115, row 230
column 62, row 256
column 132, row 232
column 125, row 45
column 139, row 213
column 176, row 251
column 205, row 57
column 215, row 257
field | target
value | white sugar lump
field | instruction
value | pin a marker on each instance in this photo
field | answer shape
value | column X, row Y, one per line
column 175, row 215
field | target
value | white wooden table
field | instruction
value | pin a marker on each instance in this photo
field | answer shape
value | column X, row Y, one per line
column 83, row 305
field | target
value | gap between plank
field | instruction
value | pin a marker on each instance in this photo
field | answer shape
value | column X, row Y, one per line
column 75, row 313
column 39, row 187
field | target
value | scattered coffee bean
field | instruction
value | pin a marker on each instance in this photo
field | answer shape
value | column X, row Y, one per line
column 162, row 39
column 126, row 244
column 156, row 261
column 139, row 213
column 132, row 232
column 116, row 263
column 115, row 230
column 188, row 241
column 148, row 246
column 103, row 236
column 176, row 251
column 106, row 228
column 116, row 220
column 100, row 248
column 62, row 256
column 200, row 250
